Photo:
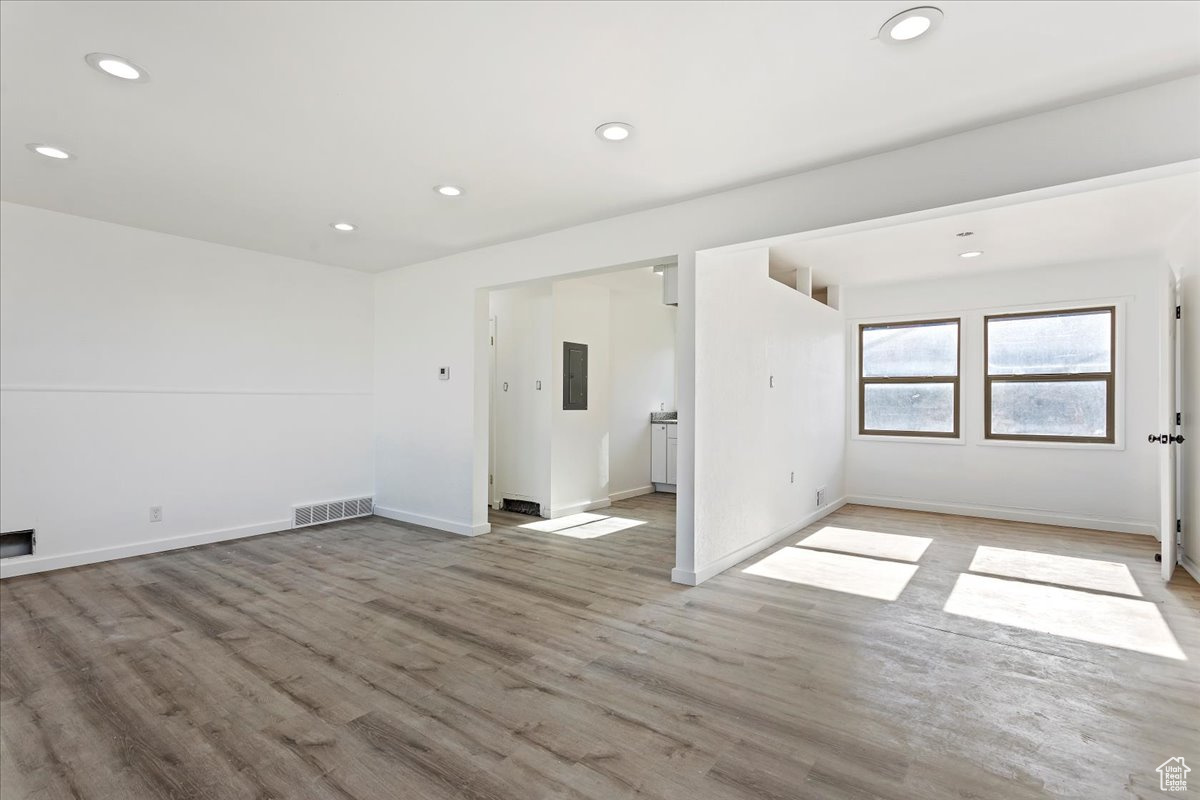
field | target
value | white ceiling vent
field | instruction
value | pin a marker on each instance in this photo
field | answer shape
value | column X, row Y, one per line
column 332, row 511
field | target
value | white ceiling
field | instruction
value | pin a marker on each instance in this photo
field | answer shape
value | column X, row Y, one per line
column 263, row 122
column 1133, row 220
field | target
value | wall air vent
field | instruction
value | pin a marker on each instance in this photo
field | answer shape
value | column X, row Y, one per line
column 17, row 543
column 522, row 506
column 332, row 511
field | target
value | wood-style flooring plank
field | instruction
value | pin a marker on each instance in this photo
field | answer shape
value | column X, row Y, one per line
column 373, row 659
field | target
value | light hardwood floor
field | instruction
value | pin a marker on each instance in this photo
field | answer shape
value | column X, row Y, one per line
column 374, row 660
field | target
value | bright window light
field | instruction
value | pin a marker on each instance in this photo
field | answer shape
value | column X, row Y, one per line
column 1051, row 376
column 603, row 527
column 1100, row 619
column 908, row 376
column 866, row 577
column 583, row 526
column 1080, row 573
column 558, row 523
column 868, row 543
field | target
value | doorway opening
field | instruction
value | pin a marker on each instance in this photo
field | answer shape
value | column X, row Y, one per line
column 581, row 376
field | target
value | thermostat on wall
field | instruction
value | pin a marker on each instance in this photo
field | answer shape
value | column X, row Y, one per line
column 443, row 373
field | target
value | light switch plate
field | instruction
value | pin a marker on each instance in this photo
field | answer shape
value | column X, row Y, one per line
column 443, row 373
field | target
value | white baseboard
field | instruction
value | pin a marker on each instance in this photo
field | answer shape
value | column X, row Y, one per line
column 628, row 493
column 697, row 577
column 461, row 528
column 579, row 508
column 26, row 565
column 1011, row 514
column 1192, row 567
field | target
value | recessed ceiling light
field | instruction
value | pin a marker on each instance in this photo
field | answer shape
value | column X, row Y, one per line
column 49, row 151
column 614, row 131
column 971, row 254
column 911, row 24
column 345, row 227
column 448, row 190
column 117, row 67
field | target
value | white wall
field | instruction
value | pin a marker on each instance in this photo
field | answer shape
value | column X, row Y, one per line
column 524, row 317
column 642, row 380
column 1112, row 487
column 141, row 369
column 431, row 435
column 770, row 410
column 579, row 443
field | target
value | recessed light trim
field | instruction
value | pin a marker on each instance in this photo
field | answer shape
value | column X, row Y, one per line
column 344, row 227
column 971, row 254
column 910, row 25
column 614, row 131
column 49, row 151
column 448, row 190
column 117, row 67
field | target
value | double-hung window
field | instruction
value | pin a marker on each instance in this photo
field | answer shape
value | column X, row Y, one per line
column 908, row 378
column 1050, row 375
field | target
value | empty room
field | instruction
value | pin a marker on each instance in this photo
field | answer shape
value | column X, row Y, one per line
column 570, row 399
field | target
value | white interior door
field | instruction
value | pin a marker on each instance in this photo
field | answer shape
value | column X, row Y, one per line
column 1165, row 438
column 493, row 498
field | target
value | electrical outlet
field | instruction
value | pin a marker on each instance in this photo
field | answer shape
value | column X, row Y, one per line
column 793, row 477
column 156, row 513
column 820, row 497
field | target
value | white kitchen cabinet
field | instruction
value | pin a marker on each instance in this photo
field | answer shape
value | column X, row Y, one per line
column 671, row 447
column 658, row 453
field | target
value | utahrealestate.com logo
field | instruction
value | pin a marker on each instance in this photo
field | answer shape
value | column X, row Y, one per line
column 1172, row 775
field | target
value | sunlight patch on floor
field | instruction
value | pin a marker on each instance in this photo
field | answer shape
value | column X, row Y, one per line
column 868, row 543
column 1081, row 573
column 866, row 577
column 558, row 523
column 1096, row 618
column 583, row 526
column 599, row 528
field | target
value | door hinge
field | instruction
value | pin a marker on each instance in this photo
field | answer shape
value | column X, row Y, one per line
column 491, row 479
column 1178, row 312
column 1178, row 418
column 1179, row 526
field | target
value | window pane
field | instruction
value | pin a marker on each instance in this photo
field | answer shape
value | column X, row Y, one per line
column 1050, row 408
column 923, row 407
column 910, row 352
column 1037, row 345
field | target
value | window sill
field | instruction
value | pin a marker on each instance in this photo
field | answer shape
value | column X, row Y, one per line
column 1117, row 445
column 882, row 437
